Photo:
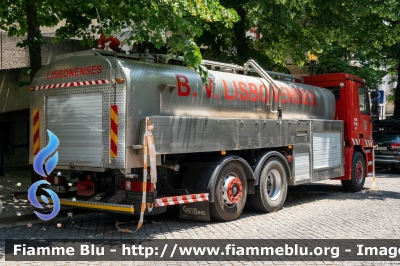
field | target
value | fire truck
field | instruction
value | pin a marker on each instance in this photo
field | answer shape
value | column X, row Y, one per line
column 140, row 132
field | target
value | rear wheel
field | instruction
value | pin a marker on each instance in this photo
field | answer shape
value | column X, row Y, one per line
column 271, row 191
column 230, row 193
column 358, row 174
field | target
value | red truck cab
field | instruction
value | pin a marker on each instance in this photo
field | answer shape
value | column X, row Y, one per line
column 353, row 108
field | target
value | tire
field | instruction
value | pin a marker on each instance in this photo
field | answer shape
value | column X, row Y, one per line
column 270, row 193
column 230, row 193
column 358, row 174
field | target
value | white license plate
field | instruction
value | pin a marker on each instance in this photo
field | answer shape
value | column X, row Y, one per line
column 381, row 148
column 58, row 189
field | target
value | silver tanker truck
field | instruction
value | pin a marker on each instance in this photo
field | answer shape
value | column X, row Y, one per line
column 139, row 134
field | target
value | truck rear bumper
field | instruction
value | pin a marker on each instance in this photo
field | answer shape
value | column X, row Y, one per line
column 160, row 203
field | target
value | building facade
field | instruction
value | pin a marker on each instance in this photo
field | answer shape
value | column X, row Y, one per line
column 15, row 94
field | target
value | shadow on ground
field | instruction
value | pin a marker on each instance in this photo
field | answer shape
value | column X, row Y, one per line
column 102, row 225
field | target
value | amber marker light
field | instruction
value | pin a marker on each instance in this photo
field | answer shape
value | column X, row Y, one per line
column 32, row 88
column 223, row 152
column 119, row 80
column 290, row 146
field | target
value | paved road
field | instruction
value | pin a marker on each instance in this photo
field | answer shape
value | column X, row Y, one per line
column 316, row 211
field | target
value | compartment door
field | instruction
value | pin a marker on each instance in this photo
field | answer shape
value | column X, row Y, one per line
column 76, row 119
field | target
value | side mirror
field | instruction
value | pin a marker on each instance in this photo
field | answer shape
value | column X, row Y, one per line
column 375, row 110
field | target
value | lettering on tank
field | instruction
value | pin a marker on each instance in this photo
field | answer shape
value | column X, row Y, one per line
column 236, row 90
column 74, row 72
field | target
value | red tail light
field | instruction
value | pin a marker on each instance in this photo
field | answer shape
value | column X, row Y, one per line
column 137, row 186
column 395, row 146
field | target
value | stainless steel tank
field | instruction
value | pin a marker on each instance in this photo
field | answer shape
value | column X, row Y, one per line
column 163, row 89
column 182, row 93
column 77, row 92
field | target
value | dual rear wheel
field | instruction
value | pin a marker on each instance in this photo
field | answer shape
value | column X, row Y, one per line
column 231, row 190
column 271, row 191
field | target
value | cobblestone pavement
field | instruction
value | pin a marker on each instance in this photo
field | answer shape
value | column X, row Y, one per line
column 315, row 211
column 13, row 187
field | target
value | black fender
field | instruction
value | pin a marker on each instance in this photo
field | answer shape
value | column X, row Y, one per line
column 215, row 169
column 260, row 162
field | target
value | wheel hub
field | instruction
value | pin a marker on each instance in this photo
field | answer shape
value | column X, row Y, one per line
column 274, row 184
column 359, row 171
column 232, row 189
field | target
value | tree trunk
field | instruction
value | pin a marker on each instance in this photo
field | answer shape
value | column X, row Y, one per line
column 34, row 37
column 242, row 45
column 396, row 113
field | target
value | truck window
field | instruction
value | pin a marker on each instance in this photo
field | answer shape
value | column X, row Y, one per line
column 336, row 92
column 364, row 100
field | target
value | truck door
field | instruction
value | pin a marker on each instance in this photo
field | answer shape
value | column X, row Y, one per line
column 364, row 115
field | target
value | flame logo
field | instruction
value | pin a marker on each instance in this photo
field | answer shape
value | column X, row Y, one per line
column 44, row 153
column 49, row 166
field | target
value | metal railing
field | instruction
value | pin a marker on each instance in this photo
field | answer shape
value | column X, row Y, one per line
column 213, row 64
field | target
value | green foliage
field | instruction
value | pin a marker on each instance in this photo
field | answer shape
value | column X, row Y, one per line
column 339, row 59
column 284, row 26
column 368, row 29
column 176, row 23
column 13, row 17
column 370, row 26
column 391, row 96
column 233, row 46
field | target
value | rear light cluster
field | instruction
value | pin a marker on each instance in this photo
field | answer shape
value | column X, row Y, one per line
column 395, row 146
column 55, row 180
column 137, row 186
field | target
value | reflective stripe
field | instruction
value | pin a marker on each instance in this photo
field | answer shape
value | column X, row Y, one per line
column 114, row 131
column 35, row 131
column 73, row 84
column 364, row 142
column 168, row 201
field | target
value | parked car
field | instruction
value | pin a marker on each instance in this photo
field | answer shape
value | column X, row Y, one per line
column 386, row 135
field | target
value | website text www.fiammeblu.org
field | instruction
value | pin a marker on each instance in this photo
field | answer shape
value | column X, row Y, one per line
column 202, row 249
